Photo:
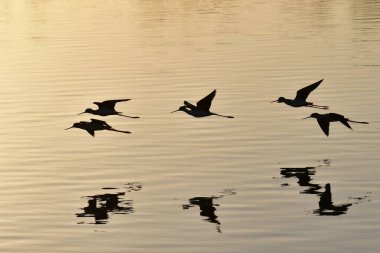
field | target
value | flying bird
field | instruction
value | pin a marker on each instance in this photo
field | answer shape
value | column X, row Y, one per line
column 95, row 125
column 325, row 119
column 202, row 109
column 107, row 108
column 300, row 99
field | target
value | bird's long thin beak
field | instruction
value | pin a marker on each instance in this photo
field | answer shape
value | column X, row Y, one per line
column 174, row 111
column 306, row 117
column 81, row 113
column 68, row 128
column 274, row 101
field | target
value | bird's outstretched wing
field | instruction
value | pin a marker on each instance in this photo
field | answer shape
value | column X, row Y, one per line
column 205, row 103
column 325, row 125
column 100, row 122
column 189, row 105
column 303, row 93
column 90, row 131
column 109, row 104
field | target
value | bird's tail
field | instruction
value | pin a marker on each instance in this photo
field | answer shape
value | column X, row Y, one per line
column 360, row 122
column 120, row 131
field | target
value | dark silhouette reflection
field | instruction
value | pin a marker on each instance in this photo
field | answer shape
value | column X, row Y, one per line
column 101, row 205
column 304, row 179
column 99, row 213
column 326, row 206
column 208, row 207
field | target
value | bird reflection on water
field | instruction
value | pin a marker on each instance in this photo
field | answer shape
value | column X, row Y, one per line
column 326, row 206
column 207, row 207
column 99, row 213
column 304, row 179
column 101, row 205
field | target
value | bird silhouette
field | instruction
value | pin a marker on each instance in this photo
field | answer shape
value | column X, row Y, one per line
column 202, row 109
column 325, row 119
column 107, row 108
column 300, row 99
column 95, row 125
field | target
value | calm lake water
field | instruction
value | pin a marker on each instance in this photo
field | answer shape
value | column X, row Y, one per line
column 254, row 183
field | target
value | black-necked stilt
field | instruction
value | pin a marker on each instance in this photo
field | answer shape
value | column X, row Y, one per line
column 107, row 108
column 202, row 109
column 300, row 99
column 325, row 119
column 95, row 125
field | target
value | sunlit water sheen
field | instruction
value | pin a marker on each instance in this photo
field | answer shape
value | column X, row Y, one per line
column 186, row 184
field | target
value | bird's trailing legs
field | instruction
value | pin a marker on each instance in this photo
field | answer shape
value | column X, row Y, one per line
column 230, row 117
column 323, row 107
column 120, row 131
column 132, row 117
column 360, row 122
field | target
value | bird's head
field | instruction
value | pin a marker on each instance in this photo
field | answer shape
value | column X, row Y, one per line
column 75, row 125
column 313, row 115
column 279, row 100
column 182, row 108
column 88, row 110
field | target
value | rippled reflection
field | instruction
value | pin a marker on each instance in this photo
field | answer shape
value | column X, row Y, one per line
column 304, row 178
column 326, row 205
column 207, row 207
column 99, row 206
column 57, row 57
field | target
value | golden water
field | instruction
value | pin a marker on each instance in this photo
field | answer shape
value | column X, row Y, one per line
column 191, row 185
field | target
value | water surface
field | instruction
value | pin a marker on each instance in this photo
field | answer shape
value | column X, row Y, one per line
column 211, row 184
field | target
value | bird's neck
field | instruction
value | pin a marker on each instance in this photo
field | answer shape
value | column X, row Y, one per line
column 287, row 100
column 292, row 101
column 188, row 111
